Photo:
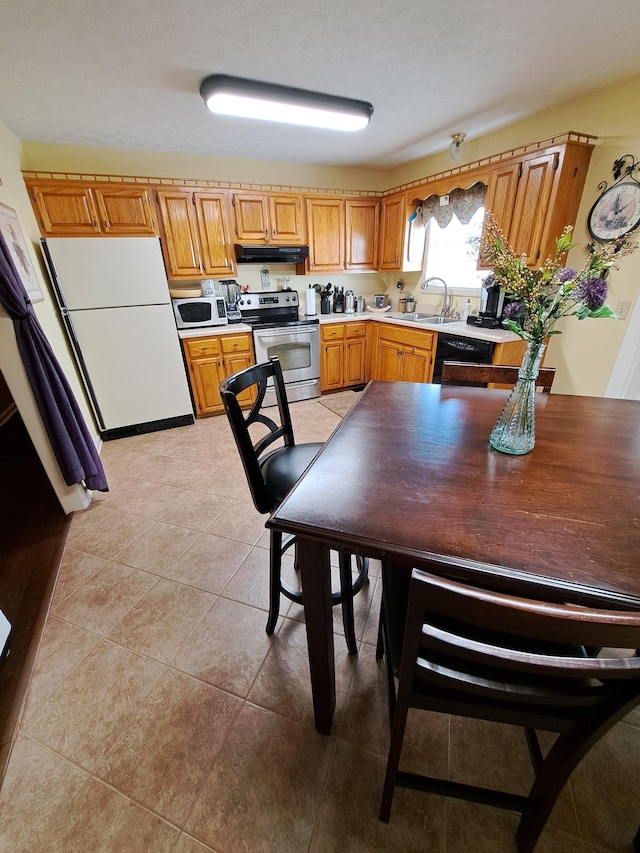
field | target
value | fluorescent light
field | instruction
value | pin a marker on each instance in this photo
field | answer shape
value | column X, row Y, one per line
column 234, row 96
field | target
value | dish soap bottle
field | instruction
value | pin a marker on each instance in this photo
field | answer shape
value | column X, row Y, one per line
column 466, row 310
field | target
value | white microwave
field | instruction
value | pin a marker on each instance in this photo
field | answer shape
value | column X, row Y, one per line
column 200, row 311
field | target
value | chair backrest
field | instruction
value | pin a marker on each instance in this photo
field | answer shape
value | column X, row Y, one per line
column 466, row 373
column 513, row 652
column 276, row 426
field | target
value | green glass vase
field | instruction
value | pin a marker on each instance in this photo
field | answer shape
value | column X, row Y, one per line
column 515, row 429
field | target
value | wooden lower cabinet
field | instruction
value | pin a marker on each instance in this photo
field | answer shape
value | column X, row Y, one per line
column 404, row 355
column 343, row 355
column 212, row 359
column 510, row 352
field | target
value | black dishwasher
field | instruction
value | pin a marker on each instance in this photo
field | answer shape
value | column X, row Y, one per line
column 459, row 348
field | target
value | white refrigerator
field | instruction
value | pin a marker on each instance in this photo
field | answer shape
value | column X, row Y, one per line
column 114, row 300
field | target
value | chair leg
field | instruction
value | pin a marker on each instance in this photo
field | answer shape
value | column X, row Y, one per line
column 383, row 651
column 393, row 761
column 275, row 568
column 562, row 759
column 380, row 640
column 346, row 591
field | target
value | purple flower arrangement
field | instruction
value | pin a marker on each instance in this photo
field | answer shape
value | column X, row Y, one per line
column 539, row 298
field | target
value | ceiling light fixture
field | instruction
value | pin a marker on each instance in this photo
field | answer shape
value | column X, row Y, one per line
column 455, row 149
column 234, row 96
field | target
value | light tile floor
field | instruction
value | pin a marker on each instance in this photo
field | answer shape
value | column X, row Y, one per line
column 162, row 718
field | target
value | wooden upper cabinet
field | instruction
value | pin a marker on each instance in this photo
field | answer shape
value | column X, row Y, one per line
column 261, row 218
column 125, row 210
column 535, row 197
column 362, row 218
column 326, row 226
column 501, row 193
column 196, row 233
column 180, row 227
column 287, row 219
column 251, row 217
column 67, row 209
column 343, row 234
column 531, row 207
column 64, row 209
column 391, row 233
column 566, row 194
column 212, row 213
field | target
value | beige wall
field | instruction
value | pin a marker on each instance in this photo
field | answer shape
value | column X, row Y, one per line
column 13, row 194
column 110, row 161
column 586, row 351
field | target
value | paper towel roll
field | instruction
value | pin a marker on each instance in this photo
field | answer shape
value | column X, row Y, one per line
column 311, row 302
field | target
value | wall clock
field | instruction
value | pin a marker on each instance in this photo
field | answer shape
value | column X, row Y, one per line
column 616, row 211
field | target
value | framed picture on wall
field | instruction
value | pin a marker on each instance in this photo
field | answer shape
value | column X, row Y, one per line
column 14, row 238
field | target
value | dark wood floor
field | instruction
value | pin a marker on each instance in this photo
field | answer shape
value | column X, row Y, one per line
column 33, row 530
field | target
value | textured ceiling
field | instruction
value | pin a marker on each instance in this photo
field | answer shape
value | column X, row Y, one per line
column 126, row 74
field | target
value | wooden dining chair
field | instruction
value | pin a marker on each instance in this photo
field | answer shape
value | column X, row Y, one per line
column 470, row 373
column 476, row 653
column 273, row 463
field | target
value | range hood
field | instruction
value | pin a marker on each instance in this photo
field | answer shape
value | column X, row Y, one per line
column 271, row 254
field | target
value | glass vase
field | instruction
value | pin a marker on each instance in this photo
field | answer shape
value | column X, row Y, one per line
column 515, row 429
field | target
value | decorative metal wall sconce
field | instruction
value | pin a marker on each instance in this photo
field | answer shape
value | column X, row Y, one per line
column 457, row 144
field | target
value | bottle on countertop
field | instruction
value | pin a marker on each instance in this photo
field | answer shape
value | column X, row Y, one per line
column 466, row 310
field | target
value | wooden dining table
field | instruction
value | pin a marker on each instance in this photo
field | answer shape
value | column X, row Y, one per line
column 408, row 476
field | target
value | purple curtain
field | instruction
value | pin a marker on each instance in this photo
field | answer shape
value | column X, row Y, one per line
column 69, row 437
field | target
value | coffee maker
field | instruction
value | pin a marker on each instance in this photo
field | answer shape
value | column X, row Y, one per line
column 491, row 306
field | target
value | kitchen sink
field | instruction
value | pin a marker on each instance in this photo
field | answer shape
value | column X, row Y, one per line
column 437, row 321
column 416, row 317
column 410, row 315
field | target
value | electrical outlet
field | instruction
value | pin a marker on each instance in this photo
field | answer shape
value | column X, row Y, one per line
column 622, row 309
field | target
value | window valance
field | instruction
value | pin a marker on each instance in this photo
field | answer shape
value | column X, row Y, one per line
column 463, row 202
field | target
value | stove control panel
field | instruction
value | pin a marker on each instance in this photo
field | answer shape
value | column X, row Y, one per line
column 287, row 299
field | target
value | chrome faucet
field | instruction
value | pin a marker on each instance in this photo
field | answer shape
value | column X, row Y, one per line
column 446, row 301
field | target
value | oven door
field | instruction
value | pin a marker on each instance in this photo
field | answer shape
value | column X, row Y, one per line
column 298, row 348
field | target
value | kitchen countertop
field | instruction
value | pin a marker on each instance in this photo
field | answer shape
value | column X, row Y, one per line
column 461, row 329
column 207, row 331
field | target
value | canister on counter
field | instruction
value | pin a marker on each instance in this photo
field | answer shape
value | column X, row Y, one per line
column 402, row 303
